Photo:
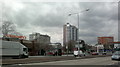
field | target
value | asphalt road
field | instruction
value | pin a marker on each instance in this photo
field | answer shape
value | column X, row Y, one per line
column 88, row 61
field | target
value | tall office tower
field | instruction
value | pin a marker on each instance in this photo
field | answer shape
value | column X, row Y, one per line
column 70, row 33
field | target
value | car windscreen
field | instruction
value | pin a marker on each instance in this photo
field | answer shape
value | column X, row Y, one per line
column 117, row 53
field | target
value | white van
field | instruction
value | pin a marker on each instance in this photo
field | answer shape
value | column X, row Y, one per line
column 13, row 49
column 80, row 54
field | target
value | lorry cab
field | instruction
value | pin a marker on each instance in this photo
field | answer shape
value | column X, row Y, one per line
column 24, row 51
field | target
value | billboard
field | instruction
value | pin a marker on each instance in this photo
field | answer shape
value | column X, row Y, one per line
column 14, row 36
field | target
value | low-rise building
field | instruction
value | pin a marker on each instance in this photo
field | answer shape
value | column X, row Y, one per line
column 107, row 42
column 39, row 38
column 42, row 41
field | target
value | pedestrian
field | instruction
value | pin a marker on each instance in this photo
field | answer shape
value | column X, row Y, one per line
column 56, row 53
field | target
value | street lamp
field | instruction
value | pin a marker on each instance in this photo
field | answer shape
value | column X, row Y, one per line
column 78, row 26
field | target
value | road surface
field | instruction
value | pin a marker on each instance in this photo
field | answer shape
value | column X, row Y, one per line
column 88, row 61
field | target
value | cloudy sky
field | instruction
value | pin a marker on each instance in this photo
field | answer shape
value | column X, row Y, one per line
column 49, row 18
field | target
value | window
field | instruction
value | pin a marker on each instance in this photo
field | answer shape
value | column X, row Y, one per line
column 25, row 49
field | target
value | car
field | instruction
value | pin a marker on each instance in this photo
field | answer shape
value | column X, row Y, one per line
column 80, row 54
column 104, row 53
column 116, row 55
column 50, row 53
column 94, row 53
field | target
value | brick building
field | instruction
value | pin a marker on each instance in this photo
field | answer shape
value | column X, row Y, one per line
column 106, row 41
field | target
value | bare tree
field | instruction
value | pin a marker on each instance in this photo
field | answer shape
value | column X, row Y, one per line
column 7, row 27
column 71, row 45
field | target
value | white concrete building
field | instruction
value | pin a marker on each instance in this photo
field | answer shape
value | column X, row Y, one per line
column 70, row 32
column 39, row 38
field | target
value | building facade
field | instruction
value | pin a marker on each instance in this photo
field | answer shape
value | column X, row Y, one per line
column 34, row 36
column 42, row 41
column 106, row 41
column 39, row 38
column 70, row 34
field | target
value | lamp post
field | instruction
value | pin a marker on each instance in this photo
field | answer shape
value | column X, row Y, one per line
column 78, row 26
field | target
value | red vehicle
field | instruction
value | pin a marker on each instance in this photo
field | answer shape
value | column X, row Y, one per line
column 94, row 53
column 55, row 53
column 49, row 53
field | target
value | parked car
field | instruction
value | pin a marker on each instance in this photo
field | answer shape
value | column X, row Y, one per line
column 55, row 53
column 104, row 53
column 94, row 53
column 50, row 53
column 116, row 55
column 80, row 54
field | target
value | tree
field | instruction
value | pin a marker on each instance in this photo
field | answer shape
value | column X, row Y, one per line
column 83, row 48
column 7, row 27
column 71, row 45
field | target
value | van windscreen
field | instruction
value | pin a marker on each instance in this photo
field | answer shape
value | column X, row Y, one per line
column 25, row 49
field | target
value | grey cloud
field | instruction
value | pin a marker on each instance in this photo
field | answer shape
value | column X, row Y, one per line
column 50, row 17
column 100, row 21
